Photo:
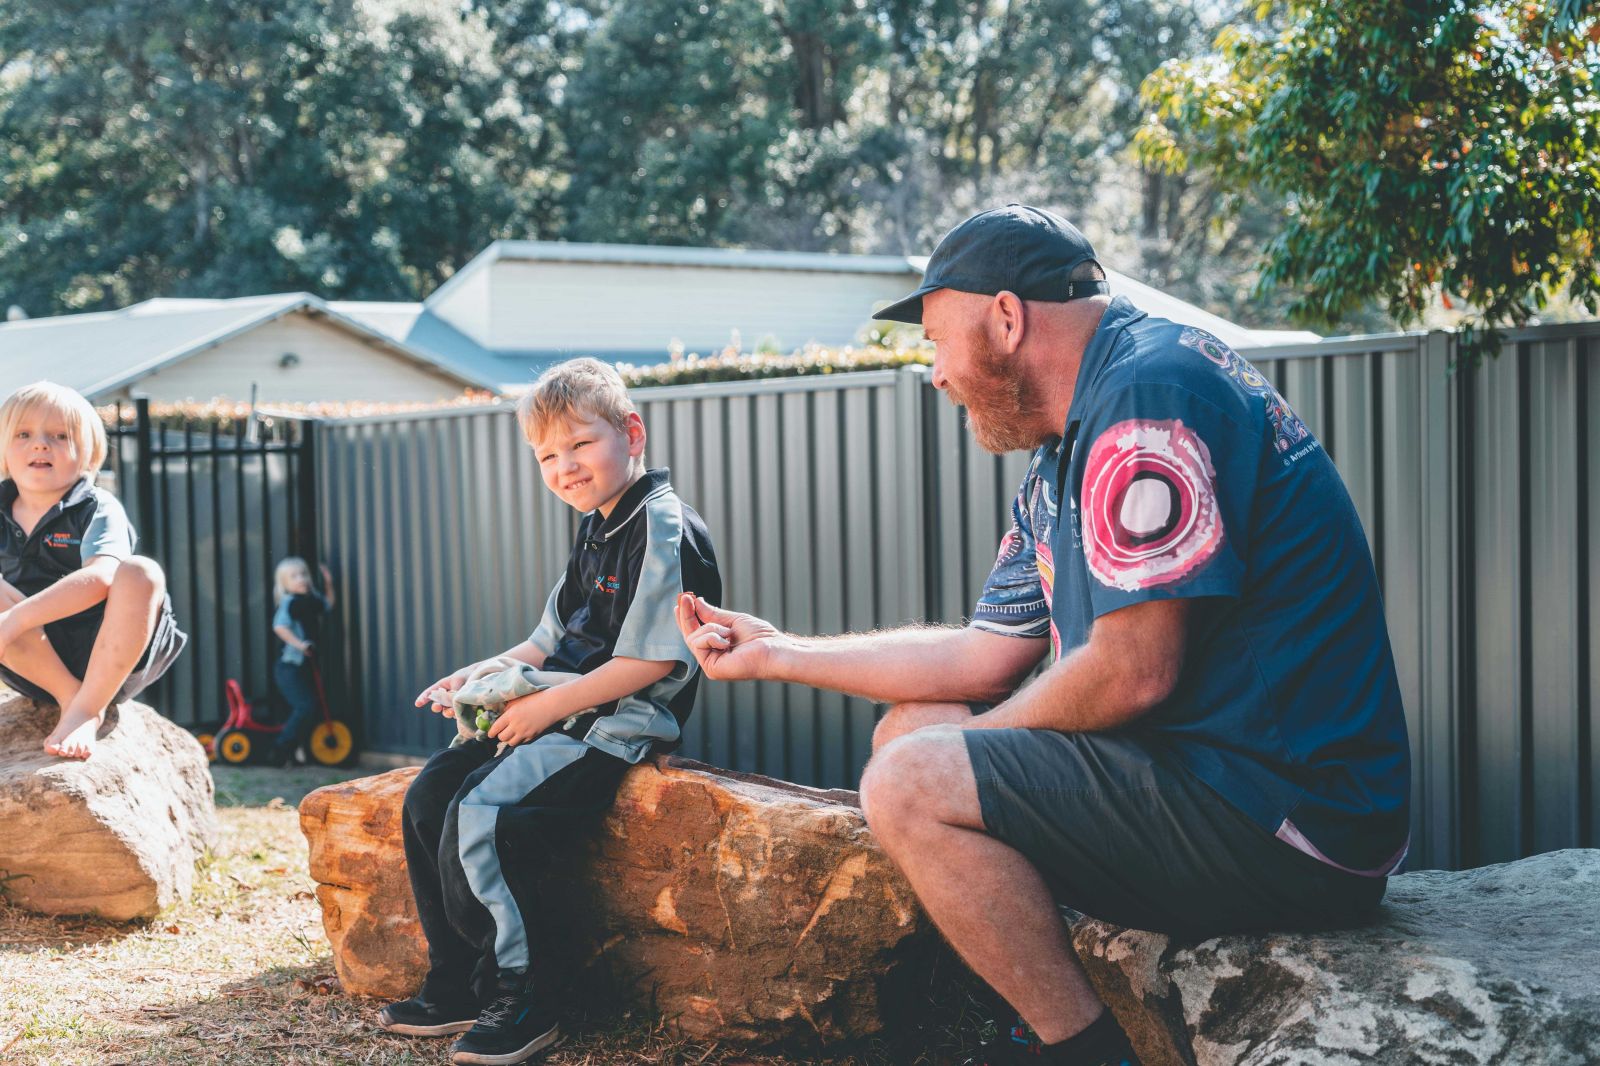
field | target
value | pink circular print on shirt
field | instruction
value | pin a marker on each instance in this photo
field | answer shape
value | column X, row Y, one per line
column 1149, row 505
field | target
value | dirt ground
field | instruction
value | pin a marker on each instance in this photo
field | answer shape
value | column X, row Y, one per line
column 241, row 973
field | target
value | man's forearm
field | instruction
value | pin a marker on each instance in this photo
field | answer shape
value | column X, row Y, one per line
column 1131, row 663
column 917, row 663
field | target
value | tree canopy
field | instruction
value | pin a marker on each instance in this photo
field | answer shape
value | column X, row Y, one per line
column 1426, row 149
column 368, row 148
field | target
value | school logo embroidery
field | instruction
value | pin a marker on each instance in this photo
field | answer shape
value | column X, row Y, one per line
column 1287, row 429
column 608, row 585
column 1150, row 514
column 61, row 539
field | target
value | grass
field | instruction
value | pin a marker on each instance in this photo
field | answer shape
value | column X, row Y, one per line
column 241, row 973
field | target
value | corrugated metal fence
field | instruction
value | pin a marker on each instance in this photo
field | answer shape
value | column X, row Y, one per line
column 852, row 501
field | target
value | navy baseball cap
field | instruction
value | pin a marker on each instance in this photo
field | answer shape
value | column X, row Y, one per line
column 1015, row 248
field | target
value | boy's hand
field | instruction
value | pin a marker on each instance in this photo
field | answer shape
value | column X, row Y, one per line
column 438, row 694
column 728, row 645
column 520, row 721
column 6, row 627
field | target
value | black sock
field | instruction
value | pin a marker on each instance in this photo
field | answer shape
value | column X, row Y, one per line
column 1103, row 1043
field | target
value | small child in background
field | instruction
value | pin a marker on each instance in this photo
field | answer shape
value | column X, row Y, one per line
column 84, row 622
column 298, row 623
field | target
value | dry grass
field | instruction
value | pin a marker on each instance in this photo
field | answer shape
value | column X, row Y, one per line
column 241, row 973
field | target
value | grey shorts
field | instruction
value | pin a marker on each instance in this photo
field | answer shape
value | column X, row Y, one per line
column 1124, row 833
column 74, row 643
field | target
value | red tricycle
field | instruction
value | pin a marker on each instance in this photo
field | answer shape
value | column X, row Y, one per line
column 243, row 735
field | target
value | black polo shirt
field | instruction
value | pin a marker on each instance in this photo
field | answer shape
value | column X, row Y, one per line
column 618, row 596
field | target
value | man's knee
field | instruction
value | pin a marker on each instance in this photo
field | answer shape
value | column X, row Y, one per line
column 907, row 778
column 140, row 576
column 903, row 718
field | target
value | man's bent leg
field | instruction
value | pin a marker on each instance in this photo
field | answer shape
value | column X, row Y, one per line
column 921, row 801
column 904, row 718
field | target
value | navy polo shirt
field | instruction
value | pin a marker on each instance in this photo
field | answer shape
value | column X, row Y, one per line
column 84, row 523
column 1185, row 474
column 618, row 596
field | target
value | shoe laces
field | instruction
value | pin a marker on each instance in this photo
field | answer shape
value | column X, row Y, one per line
column 494, row 1015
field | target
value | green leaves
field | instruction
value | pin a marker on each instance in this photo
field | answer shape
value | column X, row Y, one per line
column 1435, row 152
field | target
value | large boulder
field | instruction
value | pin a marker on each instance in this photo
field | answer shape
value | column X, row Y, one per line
column 115, row 836
column 738, row 907
column 1495, row 965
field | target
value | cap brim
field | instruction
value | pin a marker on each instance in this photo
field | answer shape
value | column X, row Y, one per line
column 906, row 309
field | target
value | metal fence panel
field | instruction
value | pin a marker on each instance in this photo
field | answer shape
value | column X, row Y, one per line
column 857, row 501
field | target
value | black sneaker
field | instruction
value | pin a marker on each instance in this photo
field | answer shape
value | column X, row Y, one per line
column 514, row 1027
column 1013, row 1045
column 418, row 1017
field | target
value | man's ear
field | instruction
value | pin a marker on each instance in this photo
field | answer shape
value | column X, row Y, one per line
column 1008, row 320
column 636, row 435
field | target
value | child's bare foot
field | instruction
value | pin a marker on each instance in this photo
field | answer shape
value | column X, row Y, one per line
column 73, row 736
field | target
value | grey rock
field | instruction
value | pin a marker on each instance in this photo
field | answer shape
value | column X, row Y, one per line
column 115, row 836
column 1496, row 965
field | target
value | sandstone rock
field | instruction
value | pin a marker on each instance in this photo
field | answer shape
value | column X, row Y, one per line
column 1495, row 965
column 738, row 907
column 359, row 864
column 117, row 836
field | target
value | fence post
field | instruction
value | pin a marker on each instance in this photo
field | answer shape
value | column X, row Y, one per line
column 145, row 477
column 910, row 413
column 306, row 489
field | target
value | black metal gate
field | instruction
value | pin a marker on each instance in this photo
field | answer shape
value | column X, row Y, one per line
column 217, row 503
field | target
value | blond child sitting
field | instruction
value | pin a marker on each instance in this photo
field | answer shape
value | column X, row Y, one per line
column 84, row 622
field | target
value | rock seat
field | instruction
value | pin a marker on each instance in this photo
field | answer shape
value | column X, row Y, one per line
column 1495, row 965
column 737, row 907
column 115, row 836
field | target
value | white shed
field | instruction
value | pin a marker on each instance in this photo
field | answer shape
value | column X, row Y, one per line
column 293, row 347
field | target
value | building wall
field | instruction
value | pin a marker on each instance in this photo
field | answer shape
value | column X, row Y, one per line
column 614, row 306
column 334, row 365
column 466, row 306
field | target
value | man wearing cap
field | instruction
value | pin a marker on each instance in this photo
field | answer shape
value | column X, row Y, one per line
column 1218, row 744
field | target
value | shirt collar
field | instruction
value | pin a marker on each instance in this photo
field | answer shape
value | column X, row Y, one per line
column 1119, row 315
column 80, row 490
column 650, row 485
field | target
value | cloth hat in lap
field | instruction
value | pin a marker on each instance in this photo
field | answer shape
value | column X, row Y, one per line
column 1019, row 249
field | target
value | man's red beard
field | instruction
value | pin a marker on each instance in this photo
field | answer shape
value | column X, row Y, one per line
column 1003, row 417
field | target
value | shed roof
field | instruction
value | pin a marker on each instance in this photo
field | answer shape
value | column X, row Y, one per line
column 101, row 352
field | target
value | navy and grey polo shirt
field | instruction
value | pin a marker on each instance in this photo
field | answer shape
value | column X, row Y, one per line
column 618, row 597
column 1185, row 474
column 86, row 522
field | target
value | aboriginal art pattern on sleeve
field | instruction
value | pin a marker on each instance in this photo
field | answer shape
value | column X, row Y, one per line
column 1016, row 597
column 1287, row 429
column 1149, row 505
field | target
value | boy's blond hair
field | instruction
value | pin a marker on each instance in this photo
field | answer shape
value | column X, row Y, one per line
column 83, row 424
column 585, row 388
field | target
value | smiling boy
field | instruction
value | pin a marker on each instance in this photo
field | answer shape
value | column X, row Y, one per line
column 480, row 825
column 83, row 621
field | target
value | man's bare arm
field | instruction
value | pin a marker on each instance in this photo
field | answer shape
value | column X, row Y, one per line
column 893, row 666
column 1131, row 663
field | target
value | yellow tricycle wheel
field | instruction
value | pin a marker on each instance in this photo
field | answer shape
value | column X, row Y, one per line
column 331, row 743
column 208, row 741
column 234, row 748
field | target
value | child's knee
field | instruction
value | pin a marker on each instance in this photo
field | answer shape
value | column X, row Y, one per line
column 140, row 576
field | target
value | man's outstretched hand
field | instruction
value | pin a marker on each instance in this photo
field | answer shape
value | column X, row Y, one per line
column 728, row 645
